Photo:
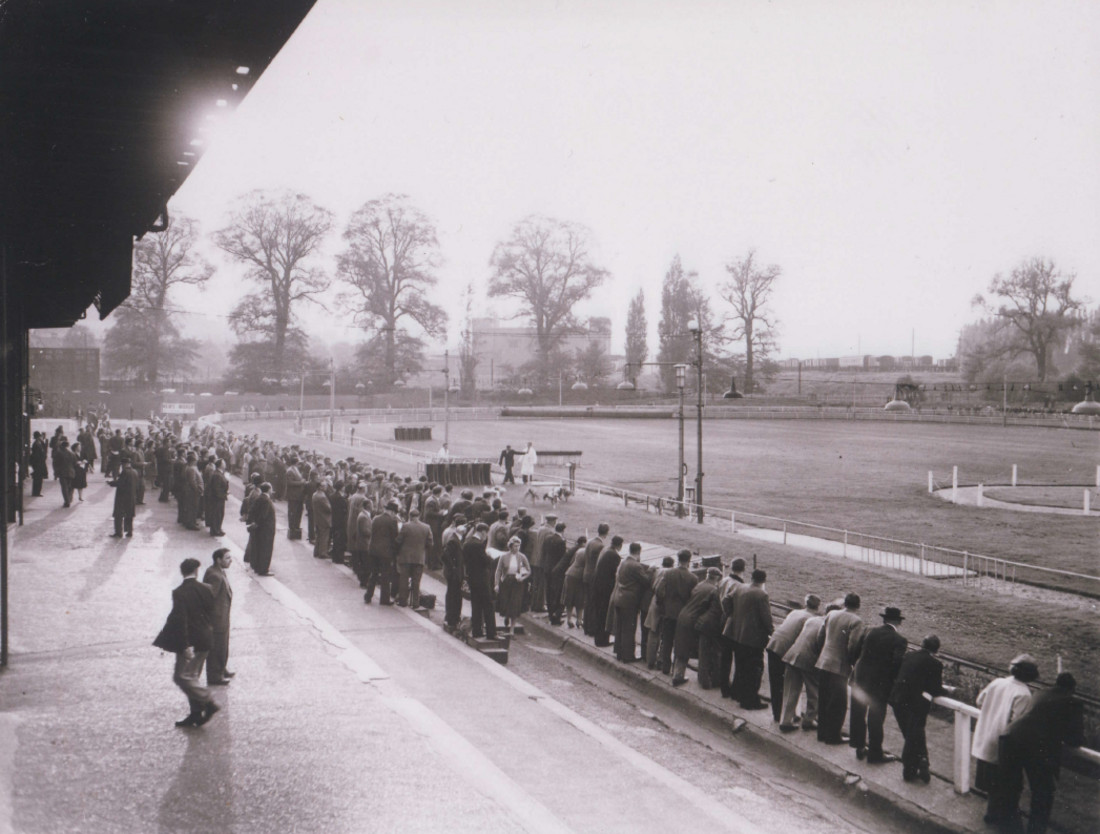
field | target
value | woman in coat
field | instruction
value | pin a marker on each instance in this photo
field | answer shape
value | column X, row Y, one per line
column 513, row 569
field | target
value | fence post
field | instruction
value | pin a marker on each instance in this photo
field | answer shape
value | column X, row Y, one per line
column 922, row 559
column 981, row 489
column 784, row 532
column 1014, row 474
column 962, row 752
column 733, row 522
column 954, row 485
column 966, row 566
column 845, row 544
column 626, row 499
column 1086, row 508
column 930, row 487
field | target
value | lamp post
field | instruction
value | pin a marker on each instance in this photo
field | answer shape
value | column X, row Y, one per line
column 681, row 378
column 446, row 399
column 697, row 332
column 332, row 399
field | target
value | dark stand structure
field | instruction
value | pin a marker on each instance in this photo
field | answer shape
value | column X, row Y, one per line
column 101, row 105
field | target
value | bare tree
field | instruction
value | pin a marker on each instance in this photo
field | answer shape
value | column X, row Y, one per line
column 637, row 347
column 749, row 291
column 388, row 270
column 545, row 264
column 1037, row 306
column 145, row 341
column 274, row 234
column 682, row 300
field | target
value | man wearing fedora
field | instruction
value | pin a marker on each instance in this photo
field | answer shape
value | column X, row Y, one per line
column 876, row 670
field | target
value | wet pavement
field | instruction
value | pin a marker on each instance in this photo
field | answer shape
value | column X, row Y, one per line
column 342, row 717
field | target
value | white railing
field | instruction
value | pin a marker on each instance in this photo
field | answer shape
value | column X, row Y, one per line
column 961, row 754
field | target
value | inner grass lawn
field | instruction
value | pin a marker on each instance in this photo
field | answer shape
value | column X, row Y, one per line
column 985, row 627
column 866, row 477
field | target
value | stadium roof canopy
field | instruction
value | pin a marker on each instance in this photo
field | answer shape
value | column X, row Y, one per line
column 101, row 105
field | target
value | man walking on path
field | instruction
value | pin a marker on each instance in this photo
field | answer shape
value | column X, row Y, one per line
column 126, row 485
column 216, row 672
column 508, row 461
column 413, row 543
column 876, row 670
column 189, row 635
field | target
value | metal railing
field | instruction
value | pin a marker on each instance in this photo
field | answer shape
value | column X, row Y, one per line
column 973, row 570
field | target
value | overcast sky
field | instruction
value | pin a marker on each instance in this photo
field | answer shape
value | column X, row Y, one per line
column 890, row 157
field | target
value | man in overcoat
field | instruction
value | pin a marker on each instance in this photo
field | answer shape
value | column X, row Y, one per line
column 413, row 542
column 592, row 553
column 752, row 626
column 919, row 680
column 126, row 486
column 216, row 496
column 216, row 672
column 838, row 645
column 188, row 634
column 780, row 643
column 703, row 606
column 880, row 658
column 322, row 520
column 381, row 554
column 39, row 472
column 673, row 590
column 64, row 469
column 631, row 582
column 190, row 493
column 1032, row 744
column 603, row 585
column 261, row 530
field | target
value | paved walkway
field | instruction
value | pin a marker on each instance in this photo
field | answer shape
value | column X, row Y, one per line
column 342, row 717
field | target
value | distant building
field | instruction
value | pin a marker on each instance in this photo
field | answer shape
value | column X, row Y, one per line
column 64, row 370
column 501, row 347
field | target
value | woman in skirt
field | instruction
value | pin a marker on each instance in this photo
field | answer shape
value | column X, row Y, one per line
column 513, row 569
column 572, row 595
column 80, row 478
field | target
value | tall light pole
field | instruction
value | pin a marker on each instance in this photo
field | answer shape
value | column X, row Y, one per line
column 331, row 398
column 446, row 399
column 301, row 399
column 681, row 378
column 697, row 330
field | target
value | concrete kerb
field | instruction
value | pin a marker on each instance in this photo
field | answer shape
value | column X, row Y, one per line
column 774, row 745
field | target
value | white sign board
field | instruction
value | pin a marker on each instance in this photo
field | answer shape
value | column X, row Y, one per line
column 177, row 408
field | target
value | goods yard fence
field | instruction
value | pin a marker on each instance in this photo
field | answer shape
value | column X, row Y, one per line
column 923, row 414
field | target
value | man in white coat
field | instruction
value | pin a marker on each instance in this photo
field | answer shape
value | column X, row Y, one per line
column 528, row 462
column 1001, row 703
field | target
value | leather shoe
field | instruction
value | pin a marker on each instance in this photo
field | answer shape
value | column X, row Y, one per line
column 923, row 771
column 861, row 753
column 222, row 682
column 679, row 681
column 208, row 712
column 189, row 721
column 229, row 674
column 116, row 535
